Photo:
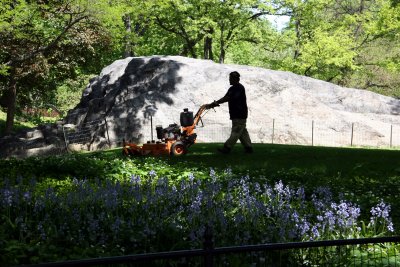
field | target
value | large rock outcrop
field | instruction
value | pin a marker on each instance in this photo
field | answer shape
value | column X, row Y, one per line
column 131, row 94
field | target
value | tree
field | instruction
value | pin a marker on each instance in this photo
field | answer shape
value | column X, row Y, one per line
column 33, row 36
column 332, row 35
column 185, row 19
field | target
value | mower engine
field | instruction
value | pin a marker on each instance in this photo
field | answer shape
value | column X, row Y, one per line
column 172, row 132
column 173, row 140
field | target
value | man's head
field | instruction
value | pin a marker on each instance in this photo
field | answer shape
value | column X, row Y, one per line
column 234, row 77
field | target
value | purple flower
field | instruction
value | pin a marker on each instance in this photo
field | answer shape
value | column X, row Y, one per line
column 381, row 211
column 152, row 173
column 191, row 177
column 27, row 196
column 390, row 227
column 279, row 187
column 303, row 227
column 228, row 171
column 41, row 230
column 7, row 197
column 315, row 232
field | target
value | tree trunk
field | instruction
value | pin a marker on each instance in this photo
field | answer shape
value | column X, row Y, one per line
column 222, row 56
column 12, row 96
column 191, row 49
column 208, row 54
column 222, row 49
column 298, row 36
column 128, row 29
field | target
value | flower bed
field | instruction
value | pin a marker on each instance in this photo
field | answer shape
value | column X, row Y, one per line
column 80, row 218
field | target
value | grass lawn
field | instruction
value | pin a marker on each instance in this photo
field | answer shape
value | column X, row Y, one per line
column 18, row 125
column 322, row 161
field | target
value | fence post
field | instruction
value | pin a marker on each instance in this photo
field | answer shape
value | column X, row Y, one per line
column 65, row 139
column 312, row 133
column 352, row 131
column 273, row 130
column 108, row 136
column 67, row 127
column 208, row 246
column 151, row 125
column 391, row 134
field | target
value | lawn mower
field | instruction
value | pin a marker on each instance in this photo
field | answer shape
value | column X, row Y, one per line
column 173, row 140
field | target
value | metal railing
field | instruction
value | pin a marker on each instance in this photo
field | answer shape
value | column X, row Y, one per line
column 383, row 251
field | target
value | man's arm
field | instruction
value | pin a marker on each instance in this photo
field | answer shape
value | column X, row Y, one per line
column 224, row 99
column 214, row 104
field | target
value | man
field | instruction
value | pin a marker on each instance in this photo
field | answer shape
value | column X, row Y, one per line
column 236, row 98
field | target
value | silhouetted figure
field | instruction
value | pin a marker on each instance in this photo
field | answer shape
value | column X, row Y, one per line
column 238, row 111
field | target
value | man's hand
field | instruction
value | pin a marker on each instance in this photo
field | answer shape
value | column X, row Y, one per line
column 211, row 105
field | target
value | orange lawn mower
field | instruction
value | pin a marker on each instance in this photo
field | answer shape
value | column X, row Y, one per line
column 173, row 140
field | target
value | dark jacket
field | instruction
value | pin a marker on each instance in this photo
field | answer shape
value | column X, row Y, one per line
column 237, row 102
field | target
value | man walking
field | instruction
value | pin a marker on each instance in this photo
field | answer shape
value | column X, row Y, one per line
column 236, row 98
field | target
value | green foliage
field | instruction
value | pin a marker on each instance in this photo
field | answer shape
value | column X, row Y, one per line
column 43, row 44
column 327, row 55
column 69, row 93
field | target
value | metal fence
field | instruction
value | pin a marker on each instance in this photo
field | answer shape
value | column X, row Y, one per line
column 382, row 251
column 294, row 132
column 217, row 129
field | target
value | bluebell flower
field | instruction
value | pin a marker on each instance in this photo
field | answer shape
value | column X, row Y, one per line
column 228, row 171
column 213, row 175
column 303, row 227
column 152, row 173
column 390, row 227
column 191, row 177
column 135, row 179
column 315, row 232
column 7, row 197
column 381, row 211
column 41, row 230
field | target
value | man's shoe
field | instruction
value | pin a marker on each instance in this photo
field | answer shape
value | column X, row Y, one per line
column 224, row 150
column 248, row 150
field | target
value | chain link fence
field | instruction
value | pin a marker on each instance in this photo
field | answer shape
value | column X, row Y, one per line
column 215, row 128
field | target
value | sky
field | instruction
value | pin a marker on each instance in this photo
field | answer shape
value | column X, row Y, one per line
column 278, row 21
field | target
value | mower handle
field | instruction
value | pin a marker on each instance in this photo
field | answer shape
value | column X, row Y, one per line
column 200, row 112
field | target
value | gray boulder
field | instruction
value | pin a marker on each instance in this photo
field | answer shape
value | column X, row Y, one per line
column 132, row 94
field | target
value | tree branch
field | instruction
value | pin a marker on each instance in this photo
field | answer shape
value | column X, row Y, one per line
column 259, row 14
column 163, row 26
column 53, row 43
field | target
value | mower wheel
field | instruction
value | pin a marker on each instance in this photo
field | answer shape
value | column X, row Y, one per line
column 178, row 149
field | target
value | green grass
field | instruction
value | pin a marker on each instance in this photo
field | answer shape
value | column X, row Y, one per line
column 24, row 123
column 321, row 161
column 18, row 124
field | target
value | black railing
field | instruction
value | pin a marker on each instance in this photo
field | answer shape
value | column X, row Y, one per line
column 383, row 251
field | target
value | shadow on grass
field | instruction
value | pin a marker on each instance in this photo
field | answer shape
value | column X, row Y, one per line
column 325, row 161
column 18, row 126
